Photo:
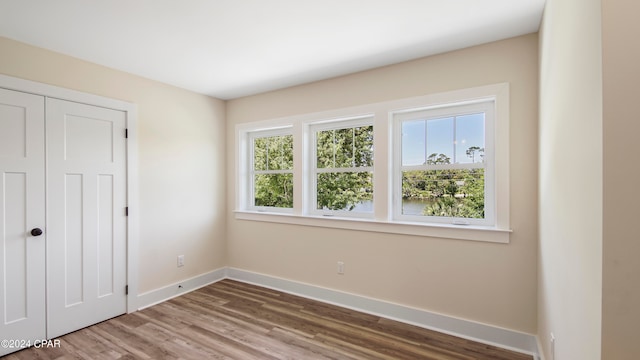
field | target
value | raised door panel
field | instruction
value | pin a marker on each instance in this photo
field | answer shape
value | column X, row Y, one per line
column 86, row 190
column 22, row 256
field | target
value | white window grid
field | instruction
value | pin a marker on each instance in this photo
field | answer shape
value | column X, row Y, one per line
column 487, row 107
column 312, row 193
column 252, row 136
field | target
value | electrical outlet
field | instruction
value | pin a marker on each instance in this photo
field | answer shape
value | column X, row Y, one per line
column 552, row 341
column 340, row 267
column 180, row 260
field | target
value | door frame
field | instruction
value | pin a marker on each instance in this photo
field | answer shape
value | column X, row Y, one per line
column 131, row 110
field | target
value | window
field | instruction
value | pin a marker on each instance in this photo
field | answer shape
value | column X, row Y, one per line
column 444, row 164
column 271, row 170
column 435, row 165
column 342, row 180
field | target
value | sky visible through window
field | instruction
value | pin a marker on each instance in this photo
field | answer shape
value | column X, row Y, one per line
column 451, row 136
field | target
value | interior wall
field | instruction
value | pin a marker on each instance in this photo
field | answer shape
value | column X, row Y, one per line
column 485, row 282
column 181, row 139
column 621, row 268
column 570, row 184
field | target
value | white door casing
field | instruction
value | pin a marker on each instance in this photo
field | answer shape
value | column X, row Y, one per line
column 22, row 191
column 86, row 219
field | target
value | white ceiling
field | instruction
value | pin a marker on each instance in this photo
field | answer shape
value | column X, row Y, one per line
column 233, row 48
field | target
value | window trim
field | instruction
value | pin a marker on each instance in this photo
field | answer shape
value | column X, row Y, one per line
column 383, row 220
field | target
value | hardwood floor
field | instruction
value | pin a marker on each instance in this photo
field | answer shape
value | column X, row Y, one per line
column 233, row 320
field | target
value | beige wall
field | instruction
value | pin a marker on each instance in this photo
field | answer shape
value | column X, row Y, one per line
column 621, row 246
column 570, row 185
column 181, row 160
column 486, row 282
column 586, row 268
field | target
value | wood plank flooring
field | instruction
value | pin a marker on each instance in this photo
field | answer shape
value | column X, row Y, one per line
column 233, row 320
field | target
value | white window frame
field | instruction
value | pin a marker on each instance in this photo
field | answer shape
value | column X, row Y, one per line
column 384, row 219
column 312, row 178
column 251, row 136
column 486, row 106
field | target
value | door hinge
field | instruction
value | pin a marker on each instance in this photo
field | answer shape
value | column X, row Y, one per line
column 126, row 133
column 126, row 290
column 126, row 211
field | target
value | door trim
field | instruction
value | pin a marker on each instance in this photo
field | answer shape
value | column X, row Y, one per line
column 131, row 110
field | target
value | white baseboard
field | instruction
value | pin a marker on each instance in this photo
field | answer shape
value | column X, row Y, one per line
column 492, row 335
column 162, row 294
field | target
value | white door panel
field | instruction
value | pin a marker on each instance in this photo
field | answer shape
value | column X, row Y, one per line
column 86, row 189
column 22, row 186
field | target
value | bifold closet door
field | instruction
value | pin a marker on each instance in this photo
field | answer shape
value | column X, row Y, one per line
column 22, row 187
column 86, row 200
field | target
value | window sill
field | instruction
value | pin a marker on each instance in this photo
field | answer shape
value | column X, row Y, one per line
column 460, row 232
